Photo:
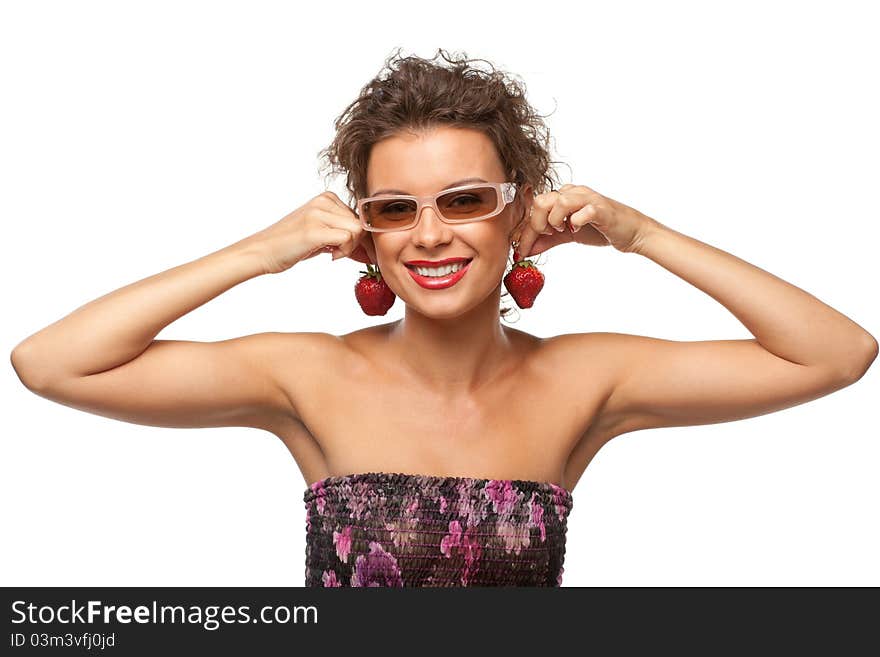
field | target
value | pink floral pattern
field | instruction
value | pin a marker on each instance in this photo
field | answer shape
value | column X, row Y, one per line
column 398, row 529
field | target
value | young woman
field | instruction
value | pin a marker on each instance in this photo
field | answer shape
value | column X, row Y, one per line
column 468, row 443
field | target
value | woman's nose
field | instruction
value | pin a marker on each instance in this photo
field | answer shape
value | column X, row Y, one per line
column 428, row 216
column 429, row 227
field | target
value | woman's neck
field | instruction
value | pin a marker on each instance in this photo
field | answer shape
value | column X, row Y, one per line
column 453, row 357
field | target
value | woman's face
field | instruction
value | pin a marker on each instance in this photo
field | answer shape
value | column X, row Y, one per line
column 423, row 165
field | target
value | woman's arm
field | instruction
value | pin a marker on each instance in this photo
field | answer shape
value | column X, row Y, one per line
column 786, row 321
column 103, row 358
column 119, row 326
column 803, row 349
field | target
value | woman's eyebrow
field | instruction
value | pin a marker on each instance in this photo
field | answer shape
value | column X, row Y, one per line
column 463, row 181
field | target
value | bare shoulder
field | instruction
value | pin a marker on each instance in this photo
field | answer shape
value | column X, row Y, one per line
column 597, row 349
column 303, row 342
column 356, row 352
column 602, row 340
column 307, row 348
column 591, row 363
column 295, row 360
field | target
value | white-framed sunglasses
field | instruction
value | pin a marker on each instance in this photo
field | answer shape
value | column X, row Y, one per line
column 458, row 205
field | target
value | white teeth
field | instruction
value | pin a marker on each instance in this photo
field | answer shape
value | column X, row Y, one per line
column 439, row 271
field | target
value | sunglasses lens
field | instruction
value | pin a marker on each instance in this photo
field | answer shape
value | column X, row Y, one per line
column 468, row 204
column 390, row 213
column 462, row 205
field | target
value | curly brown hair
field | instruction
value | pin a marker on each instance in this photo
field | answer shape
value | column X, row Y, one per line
column 412, row 94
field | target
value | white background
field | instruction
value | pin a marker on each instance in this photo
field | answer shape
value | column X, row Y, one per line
column 139, row 136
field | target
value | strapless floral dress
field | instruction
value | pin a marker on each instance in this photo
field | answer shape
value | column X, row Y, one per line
column 398, row 529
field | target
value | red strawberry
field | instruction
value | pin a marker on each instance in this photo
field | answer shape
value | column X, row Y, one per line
column 373, row 293
column 523, row 281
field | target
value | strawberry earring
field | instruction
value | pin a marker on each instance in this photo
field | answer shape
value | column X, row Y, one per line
column 372, row 292
column 524, row 280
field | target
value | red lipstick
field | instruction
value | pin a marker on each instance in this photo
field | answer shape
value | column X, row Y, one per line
column 439, row 282
column 435, row 263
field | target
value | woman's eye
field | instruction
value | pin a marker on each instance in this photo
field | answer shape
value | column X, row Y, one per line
column 395, row 207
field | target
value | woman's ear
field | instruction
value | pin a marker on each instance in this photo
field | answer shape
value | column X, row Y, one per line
column 523, row 210
column 365, row 252
column 369, row 247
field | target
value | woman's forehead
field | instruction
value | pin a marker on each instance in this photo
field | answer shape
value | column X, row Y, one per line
column 417, row 166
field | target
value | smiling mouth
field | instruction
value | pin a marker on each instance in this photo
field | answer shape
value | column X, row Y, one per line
column 460, row 264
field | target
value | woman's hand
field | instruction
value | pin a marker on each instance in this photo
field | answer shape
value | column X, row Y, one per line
column 323, row 225
column 576, row 213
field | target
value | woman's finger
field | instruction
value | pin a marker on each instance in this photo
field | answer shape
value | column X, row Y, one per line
column 360, row 255
column 339, row 215
column 582, row 217
column 561, row 209
column 537, row 224
column 333, row 197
